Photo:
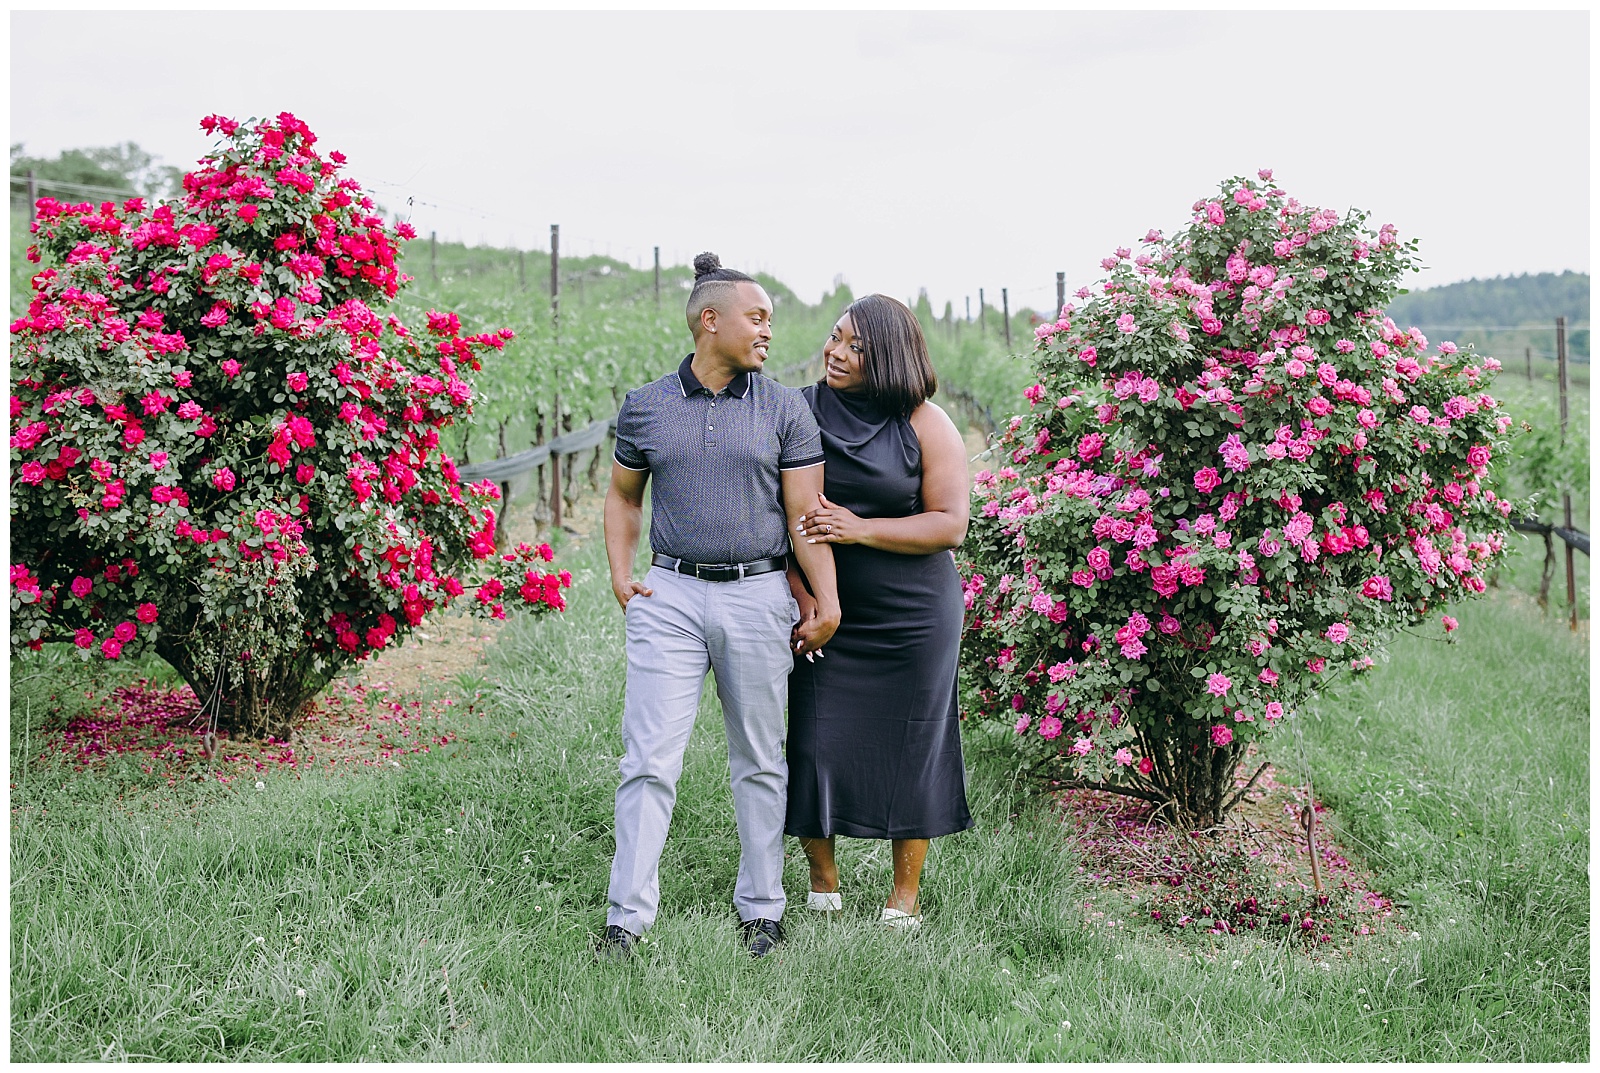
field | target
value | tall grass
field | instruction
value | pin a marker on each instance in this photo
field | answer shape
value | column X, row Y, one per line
column 185, row 923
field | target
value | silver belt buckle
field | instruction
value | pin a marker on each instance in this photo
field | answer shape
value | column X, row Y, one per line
column 741, row 571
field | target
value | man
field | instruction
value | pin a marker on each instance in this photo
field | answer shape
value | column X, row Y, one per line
column 736, row 459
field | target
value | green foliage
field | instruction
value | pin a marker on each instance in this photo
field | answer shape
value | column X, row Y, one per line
column 1546, row 462
column 610, row 336
column 976, row 370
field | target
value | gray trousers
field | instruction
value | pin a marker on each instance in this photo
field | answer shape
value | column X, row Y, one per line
column 740, row 631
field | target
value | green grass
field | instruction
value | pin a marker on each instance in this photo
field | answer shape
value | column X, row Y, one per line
column 134, row 924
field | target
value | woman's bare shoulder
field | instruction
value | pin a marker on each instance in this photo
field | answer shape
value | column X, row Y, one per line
column 929, row 416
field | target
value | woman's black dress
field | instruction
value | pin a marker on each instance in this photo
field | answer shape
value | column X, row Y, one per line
column 874, row 743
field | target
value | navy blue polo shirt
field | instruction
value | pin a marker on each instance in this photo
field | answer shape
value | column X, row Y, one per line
column 715, row 462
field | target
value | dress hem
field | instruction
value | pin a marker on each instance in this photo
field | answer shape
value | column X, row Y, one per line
column 852, row 830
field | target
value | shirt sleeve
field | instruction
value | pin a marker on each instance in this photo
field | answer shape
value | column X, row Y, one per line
column 800, row 441
column 630, row 424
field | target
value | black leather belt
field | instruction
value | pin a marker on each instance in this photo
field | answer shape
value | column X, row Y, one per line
column 720, row 571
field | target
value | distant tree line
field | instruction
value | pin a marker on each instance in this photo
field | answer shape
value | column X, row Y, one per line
column 1528, row 301
column 92, row 174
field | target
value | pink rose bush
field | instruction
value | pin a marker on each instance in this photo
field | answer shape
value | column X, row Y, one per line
column 1255, row 482
column 225, row 450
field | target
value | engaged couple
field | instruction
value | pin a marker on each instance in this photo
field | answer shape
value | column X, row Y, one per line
column 800, row 546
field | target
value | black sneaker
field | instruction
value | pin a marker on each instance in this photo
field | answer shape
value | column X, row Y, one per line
column 616, row 944
column 761, row 936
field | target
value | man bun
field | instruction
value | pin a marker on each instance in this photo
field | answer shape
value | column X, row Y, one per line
column 705, row 264
column 712, row 284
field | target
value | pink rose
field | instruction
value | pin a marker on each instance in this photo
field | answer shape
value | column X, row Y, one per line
column 1218, row 684
column 146, row 613
column 1221, row 735
column 112, row 648
column 1206, row 480
column 1478, row 457
column 1145, row 765
column 1450, row 624
column 1049, row 728
column 84, row 638
column 223, row 479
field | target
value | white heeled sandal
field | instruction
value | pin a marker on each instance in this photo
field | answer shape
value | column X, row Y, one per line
column 894, row 918
column 824, row 903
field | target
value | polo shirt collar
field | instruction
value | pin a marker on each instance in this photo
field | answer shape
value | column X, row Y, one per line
column 738, row 387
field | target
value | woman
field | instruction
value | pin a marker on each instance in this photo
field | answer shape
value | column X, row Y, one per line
column 874, row 744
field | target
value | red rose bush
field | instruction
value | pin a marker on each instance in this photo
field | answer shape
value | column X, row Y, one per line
column 222, row 448
column 1235, row 481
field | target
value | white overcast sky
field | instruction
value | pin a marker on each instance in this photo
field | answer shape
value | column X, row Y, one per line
column 943, row 150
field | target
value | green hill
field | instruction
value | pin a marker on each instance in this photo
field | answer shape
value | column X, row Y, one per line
column 1507, row 316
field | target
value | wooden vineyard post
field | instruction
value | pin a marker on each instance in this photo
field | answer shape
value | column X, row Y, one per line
column 981, row 322
column 1061, row 292
column 33, row 198
column 1566, row 496
column 433, row 254
column 555, row 280
column 1527, row 356
column 658, row 277
column 522, row 269
column 1005, row 314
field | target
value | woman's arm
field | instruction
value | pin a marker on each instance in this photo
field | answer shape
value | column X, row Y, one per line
column 942, row 525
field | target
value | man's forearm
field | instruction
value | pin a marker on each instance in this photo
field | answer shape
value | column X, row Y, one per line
column 816, row 560
column 623, row 523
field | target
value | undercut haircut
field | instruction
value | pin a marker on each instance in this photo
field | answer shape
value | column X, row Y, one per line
column 899, row 376
column 713, row 285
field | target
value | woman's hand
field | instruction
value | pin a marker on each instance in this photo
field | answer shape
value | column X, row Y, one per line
column 804, row 630
column 830, row 523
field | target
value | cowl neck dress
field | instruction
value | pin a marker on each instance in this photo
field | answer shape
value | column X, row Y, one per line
column 874, row 745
